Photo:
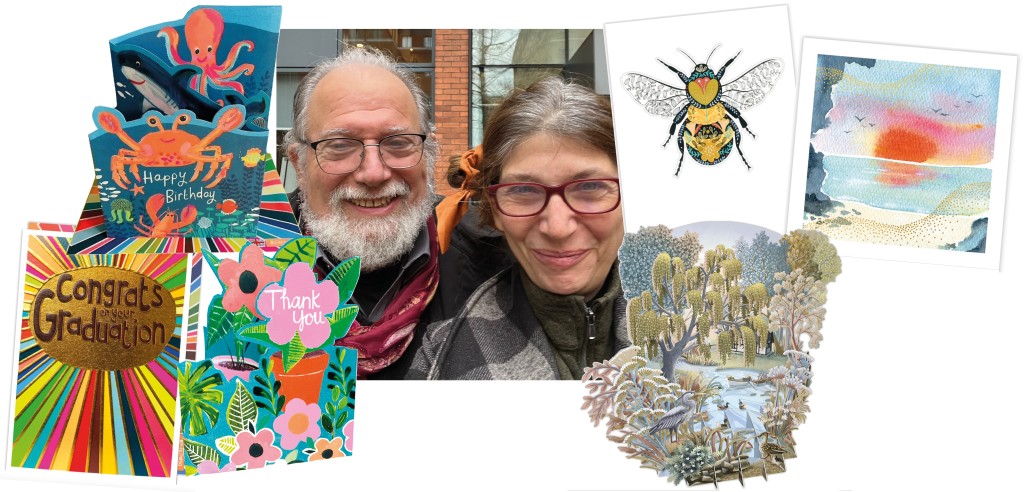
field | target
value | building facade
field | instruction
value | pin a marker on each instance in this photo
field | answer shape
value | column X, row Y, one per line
column 464, row 72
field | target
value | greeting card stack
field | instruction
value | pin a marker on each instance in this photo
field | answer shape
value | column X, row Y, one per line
column 157, row 336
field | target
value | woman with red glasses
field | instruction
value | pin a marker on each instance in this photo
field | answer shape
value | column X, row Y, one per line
column 550, row 183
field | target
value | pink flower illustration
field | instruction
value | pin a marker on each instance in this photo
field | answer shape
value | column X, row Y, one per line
column 347, row 431
column 207, row 467
column 298, row 422
column 244, row 280
column 254, row 451
column 299, row 303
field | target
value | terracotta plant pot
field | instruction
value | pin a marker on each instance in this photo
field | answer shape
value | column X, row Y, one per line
column 305, row 379
column 231, row 369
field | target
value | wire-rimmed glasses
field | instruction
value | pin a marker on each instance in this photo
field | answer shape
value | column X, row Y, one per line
column 340, row 155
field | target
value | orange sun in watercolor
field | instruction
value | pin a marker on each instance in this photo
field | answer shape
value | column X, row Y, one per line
column 905, row 145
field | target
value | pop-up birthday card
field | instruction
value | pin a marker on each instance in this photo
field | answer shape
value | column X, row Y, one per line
column 181, row 161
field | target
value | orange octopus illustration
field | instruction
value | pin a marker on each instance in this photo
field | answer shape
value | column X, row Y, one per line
column 203, row 31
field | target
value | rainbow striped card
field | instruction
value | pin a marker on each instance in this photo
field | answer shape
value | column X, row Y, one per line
column 97, row 354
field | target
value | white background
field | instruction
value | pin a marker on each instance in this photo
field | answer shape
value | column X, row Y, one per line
column 917, row 382
column 651, row 192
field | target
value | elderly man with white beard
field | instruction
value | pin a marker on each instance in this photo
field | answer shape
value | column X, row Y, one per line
column 364, row 153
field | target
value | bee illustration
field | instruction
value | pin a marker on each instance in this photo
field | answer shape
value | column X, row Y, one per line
column 706, row 108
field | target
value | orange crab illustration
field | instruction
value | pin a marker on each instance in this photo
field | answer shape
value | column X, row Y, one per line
column 171, row 148
column 168, row 224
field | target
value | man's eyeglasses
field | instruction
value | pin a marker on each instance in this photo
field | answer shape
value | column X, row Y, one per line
column 583, row 196
column 344, row 155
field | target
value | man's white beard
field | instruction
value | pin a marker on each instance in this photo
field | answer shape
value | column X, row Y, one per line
column 378, row 241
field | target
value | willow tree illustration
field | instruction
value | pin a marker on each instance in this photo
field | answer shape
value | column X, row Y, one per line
column 685, row 305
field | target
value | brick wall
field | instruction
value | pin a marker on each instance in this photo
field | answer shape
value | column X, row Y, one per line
column 451, row 99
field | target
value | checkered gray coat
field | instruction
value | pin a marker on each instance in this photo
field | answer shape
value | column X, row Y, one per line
column 496, row 336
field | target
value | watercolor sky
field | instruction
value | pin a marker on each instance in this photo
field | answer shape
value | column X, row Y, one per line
column 929, row 114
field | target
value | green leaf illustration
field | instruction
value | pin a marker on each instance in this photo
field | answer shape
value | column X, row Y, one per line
column 241, row 409
column 293, row 353
column 340, row 422
column 243, row 316
column 299, row 250
column 213, row 261
column 219, row 322
column 198, row 452
column 345, row 276
column 199, row 395
column 227, row 445
column 340, row 320
column 257, row 333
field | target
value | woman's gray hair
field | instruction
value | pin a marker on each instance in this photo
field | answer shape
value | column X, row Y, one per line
column 550, row 106
column 352, row 55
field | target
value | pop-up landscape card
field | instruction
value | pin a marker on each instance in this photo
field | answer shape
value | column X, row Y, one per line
column 723, row 317
column 705, row 122
column 902, row 153
column 269, row 385
column 97, row 353
column 183, row 154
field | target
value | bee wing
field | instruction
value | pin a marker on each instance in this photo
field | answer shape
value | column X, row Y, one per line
column 657, row 98
column 752, row 87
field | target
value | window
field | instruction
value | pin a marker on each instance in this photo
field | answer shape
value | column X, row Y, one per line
column 505, row 59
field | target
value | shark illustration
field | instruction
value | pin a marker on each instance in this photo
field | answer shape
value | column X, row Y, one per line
column 168, row 91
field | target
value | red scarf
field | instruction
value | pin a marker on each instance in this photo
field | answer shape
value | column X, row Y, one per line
column 381, row 344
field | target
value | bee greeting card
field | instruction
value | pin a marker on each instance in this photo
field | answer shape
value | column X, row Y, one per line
column 902, row 153
column 96, row 358
column 703, row 121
